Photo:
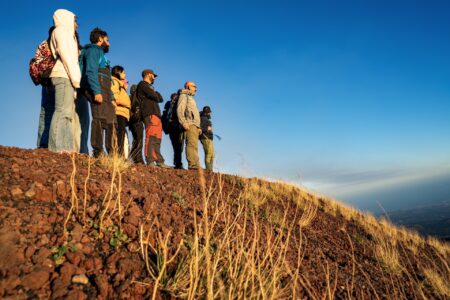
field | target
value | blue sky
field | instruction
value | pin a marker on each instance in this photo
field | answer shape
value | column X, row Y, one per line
column 349, row 98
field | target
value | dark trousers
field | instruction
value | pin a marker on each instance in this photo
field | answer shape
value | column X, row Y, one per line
column 137, row 130
column 177, row 144
column 98, row 126
column 121, row 131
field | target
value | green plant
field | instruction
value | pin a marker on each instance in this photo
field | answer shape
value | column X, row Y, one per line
column 59, row 252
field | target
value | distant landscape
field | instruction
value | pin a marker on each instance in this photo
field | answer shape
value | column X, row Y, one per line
column 424, row 206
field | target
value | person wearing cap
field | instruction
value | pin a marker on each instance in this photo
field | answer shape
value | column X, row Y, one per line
column 207, row 137
column 151, row 113
column 189, row 118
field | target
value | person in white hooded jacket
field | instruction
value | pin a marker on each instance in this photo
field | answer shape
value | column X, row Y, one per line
column 64, row 133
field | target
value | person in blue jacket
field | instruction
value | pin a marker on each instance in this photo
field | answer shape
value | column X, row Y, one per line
column 96, row 83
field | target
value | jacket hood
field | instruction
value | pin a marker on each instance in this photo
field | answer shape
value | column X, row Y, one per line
column 187, row 92
column 64, row 18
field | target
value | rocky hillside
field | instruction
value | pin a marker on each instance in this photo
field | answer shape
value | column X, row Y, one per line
column 72, row 227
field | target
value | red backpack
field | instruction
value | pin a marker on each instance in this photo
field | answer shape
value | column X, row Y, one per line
column 41, row 64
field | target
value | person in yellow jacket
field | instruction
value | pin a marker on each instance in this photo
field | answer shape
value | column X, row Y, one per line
column 123, row 104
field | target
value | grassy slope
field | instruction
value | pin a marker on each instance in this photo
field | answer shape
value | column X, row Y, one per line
column 218, row 236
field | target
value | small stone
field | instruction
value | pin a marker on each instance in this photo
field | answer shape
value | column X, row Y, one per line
column 67, row 271
column 35, row 280
column 81, row 279
column 29, row 251
column 16, row 192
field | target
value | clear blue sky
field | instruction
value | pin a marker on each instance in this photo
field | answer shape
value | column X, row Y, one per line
column 345, row 97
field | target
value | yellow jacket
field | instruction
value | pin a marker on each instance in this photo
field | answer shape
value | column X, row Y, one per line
column 123, row 102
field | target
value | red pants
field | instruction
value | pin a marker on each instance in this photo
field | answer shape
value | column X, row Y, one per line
column 153, row 136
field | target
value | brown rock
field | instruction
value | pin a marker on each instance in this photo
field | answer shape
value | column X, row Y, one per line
column 35, row 280
column 67, row 271
column 101, row 281
column 41, row 255
column 29, row 251
column 76, row 295
column 74, row 257
column 130, row 230
column 16, row 192
column 31, row 191
column 59, row 289
column 77, row 232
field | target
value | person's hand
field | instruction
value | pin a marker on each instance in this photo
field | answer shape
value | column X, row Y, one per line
column 199, row 131
column 98, row 98
column 185, row 127
column 114, row 103
column 209, row 129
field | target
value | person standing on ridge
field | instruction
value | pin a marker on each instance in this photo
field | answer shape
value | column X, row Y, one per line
column 207, row 137
column 96, row 84
column 151, row 113
column 173, row 129
column 189, row 118
column 65, row 77
column 47, row 104
column 123, row 104
column 136, row 127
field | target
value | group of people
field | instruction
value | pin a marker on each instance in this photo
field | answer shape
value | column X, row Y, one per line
column 79, row 79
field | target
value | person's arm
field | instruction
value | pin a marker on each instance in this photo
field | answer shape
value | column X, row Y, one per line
column 115, row 88
column 67, row 49
column 151, row 93
column 92, row 63
column 181, row 108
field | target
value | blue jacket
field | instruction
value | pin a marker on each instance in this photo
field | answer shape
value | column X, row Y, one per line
column 92, row 59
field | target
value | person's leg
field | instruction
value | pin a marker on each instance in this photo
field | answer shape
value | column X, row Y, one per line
column 121, row 124
column 61, row 136
column 157, row 125
column 192, row 147
column 110, row 137
column 82, row 108
column 177, row 145
column 46, row 114
column 208, row 147
column 96, row 137
column 136, row 149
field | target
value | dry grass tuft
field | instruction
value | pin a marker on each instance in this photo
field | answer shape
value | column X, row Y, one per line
column 440, row 285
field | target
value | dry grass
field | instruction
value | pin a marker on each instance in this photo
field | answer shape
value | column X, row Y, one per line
column 240, row 245
column 440, row 285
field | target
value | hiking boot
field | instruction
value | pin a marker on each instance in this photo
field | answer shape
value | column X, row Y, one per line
column 163, row 165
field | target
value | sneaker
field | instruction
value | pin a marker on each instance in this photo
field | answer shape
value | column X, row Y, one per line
column 163, row 165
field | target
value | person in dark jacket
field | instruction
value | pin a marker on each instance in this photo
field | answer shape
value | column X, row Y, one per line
column 207, row 137
column 136, row 126
column 174, row 129
column 151, row 113
column 96, row 84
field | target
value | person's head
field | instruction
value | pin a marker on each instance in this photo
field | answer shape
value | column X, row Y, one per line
column 100, row 38
column 190, row 85
column 149, row 76
column 173, row 97
column 207, row 111
column 118, row 72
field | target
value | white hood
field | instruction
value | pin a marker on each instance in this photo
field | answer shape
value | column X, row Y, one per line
column 64, row 18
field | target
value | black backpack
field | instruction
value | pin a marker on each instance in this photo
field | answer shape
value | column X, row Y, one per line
column 169, row 117
column 136, row 108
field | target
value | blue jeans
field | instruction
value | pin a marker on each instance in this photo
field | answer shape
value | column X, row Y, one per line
column 65, row 126
column 82, row 108
column 45, row 117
